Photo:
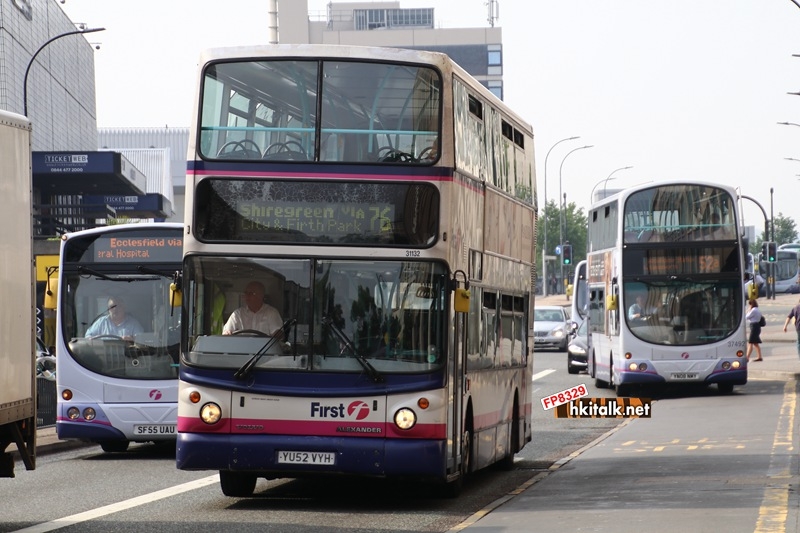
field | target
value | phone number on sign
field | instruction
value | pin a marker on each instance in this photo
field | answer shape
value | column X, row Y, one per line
column 565, row 396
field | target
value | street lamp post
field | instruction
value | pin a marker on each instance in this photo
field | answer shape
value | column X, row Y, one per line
column 766, row 235
column 772, row 238
column 544, row 214
column 591, row 195
column 609, row 177
column 561, row 226
column 33, row 57
column 789, row 124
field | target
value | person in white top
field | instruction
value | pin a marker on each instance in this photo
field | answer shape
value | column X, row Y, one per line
column 255, row 314
column 115, row 322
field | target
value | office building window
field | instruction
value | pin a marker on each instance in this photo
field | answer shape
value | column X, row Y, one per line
column 496, row 86
column 372, row 19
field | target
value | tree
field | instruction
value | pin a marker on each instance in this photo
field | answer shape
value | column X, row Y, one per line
column 574, row 231
column 785, row 232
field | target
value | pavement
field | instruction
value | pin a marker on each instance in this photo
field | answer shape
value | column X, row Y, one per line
column 781, row 363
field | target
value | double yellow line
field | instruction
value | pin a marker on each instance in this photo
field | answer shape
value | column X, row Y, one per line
column 774, row 509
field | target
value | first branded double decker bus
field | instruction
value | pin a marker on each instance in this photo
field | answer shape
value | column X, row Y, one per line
column 665, row 268
column 380, row 203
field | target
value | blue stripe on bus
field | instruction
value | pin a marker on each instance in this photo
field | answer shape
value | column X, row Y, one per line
column 313, row 384
column 87, row 431
column 358, row 456
column 735, row 377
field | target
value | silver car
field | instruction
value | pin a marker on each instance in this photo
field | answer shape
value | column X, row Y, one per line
column 552, row 328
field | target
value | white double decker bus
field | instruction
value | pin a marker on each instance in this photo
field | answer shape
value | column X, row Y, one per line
column 363, row 191
column 665, row 276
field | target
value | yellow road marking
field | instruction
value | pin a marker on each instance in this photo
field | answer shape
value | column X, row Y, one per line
column 774, row 508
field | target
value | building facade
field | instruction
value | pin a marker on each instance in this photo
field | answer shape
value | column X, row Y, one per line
column 478, row 50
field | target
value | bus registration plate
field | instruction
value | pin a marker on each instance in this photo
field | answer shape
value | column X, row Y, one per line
column 307, row 458
column 684, row 375
column 154, row 429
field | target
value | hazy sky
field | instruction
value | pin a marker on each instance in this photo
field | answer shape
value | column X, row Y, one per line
column 688, row 89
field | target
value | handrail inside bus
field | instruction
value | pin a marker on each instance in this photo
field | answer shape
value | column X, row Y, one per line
column 322, row 130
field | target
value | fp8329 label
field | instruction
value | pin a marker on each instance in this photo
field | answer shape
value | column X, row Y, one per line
column 565, row 396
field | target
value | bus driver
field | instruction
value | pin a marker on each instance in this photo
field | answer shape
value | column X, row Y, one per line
column 115, row 322
column 255, row 314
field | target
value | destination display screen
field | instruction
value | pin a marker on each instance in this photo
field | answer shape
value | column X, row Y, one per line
column 680, row 261
column 128, row 246
column 331, row 212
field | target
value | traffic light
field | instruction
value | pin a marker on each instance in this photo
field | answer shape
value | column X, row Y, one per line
column 772, row 252
column 566, row 254
column 764, row 250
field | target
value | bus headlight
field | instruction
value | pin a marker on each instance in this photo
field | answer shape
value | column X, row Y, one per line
column 405, row 418
column 210, row 413
column 73, row 413
column 89, row 413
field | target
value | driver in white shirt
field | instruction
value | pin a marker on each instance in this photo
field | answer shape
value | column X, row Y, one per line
column 255, row 314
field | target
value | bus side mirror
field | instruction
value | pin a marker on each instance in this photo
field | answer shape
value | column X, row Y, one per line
column 461, row 300
column 752, row 291
column 611, row 302
column 175, row 295
column 51, row 292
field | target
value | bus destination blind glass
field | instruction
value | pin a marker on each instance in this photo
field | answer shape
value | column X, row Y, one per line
column 304, row 211
column 316, row 219
column 139, row 248
column 679, row 262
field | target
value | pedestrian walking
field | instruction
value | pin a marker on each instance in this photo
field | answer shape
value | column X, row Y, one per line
column 794, row 315
column 754, row 319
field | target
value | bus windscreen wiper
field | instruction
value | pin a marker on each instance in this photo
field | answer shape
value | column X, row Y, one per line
column 251, row 363
column 95, row 273
column 86, row 270
column 145, row 270
column 344, row 339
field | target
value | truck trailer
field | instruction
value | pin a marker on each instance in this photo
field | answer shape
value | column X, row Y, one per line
column 17, row 290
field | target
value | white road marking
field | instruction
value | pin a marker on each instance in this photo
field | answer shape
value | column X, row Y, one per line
column 543, row 373
column 121, row 506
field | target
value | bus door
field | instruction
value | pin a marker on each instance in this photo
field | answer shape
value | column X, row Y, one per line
column 459, row 382
column 458, row 387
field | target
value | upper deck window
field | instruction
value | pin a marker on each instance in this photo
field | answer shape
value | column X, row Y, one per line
column 331, row 111
column 677, row 213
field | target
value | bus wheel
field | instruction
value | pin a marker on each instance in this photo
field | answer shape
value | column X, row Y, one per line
column 453, row 488
column 237, row 484
column 618, row 387
column 599, row 383
column 725, row 388
column 507, row 462
column 112, row 446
